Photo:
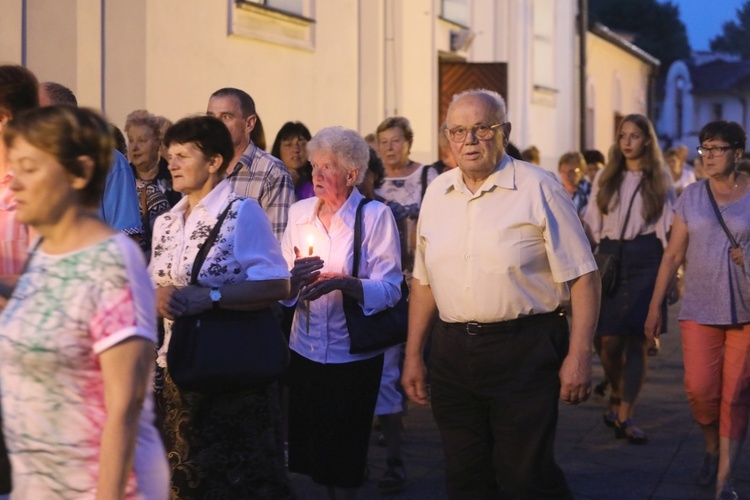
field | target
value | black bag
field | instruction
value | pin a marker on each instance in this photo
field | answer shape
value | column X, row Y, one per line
column 224, row 350
column 380, row 330
column 609, row 262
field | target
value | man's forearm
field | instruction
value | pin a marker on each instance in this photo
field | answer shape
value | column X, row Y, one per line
column 422, row 312
column 585, row 296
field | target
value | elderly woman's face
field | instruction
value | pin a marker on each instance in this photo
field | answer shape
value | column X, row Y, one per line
column 332, row 182
column 393, row 148
column 143, row 147
column 294, row 152
column 189, row 167
column 43, row 188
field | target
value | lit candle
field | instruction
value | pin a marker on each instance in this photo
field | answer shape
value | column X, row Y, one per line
column 310, row 245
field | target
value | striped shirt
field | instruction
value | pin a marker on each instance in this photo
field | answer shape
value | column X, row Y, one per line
column 260, row 176
column 14, row 237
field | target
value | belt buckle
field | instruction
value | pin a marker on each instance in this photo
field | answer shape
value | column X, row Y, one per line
column 473, row 328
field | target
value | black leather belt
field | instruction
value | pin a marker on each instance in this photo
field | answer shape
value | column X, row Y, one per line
column 510, row 326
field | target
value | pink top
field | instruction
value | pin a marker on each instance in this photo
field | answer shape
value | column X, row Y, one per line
column 14, row 237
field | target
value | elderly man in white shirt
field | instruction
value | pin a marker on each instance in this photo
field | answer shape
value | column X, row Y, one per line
column 499, row 249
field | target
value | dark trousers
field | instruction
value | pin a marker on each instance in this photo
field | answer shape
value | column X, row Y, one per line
column 494, row 398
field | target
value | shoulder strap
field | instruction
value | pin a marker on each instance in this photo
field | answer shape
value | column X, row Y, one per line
column 210, row 239
column 630, row 207
column 425, row 171
column 718, row 216
column 358, row 236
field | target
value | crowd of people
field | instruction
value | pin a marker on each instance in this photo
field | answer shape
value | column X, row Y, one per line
column 109, row 244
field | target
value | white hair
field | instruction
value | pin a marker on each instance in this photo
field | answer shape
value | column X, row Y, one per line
column 495, row 100
column 346, row 145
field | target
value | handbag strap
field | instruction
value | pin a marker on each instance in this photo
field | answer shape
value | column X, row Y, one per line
column 210, row 239
column 630, row 207
column 718, row 216
column 358, row 236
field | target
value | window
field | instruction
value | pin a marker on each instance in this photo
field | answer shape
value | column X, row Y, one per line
column 285, row 22
column 717, row 112
column 455, row 11
column 543, row 47
column 291, row 6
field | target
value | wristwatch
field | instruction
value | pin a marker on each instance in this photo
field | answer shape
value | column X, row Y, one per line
column 215, row 295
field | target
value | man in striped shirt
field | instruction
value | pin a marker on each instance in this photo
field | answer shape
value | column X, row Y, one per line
column 253, row 173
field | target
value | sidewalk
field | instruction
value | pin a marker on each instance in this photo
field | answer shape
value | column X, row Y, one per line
column 597, row 465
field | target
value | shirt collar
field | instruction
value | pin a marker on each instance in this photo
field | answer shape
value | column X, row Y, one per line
column 346, row 213
column 212, row 203
column 502, row 176
column 246, row 160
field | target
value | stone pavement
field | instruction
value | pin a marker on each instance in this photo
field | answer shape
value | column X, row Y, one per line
column 597, row 465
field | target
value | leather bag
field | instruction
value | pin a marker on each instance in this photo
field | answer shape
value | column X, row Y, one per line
column 225, row 350
column 380, row 330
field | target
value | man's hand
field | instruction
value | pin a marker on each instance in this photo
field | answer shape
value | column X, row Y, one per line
column 412, row 378
column 575, row 379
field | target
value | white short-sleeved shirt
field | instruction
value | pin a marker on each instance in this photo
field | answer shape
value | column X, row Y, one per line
column 610, row 225
column 503, row 252
column 65, row 311
column 327, row 339
column 245, row 249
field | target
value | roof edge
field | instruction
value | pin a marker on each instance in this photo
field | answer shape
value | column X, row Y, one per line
column 609, row 35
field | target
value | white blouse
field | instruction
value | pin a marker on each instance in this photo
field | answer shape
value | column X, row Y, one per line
column 319, row 328
column 245, row 249
column 610, row 225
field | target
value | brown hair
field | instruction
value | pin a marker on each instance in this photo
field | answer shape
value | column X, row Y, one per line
column 572, row 157
column 655, row 174
column 67, row 133
column 141, row 117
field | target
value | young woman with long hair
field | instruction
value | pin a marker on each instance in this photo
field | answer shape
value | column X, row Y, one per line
column 634, row 176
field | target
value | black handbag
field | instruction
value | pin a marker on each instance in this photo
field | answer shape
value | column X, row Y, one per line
column 609, row 262
column 225, row 350
column 382, row 329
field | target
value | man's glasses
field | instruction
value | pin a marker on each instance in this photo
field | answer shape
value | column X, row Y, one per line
column 715, row 151
column 481, row 132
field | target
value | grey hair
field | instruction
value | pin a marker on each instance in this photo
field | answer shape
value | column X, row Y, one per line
column 495, row 100
column 349, row 148
column 141, row 117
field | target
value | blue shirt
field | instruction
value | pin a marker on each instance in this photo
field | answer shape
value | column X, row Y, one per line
column 119, row 206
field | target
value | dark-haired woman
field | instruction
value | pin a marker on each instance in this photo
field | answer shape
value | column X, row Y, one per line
column 290, row 147
column 223, row 444
column 78, row 334
column 636, row 180
column 715, row 312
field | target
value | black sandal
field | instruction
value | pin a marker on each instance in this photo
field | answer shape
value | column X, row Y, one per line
column 610, row 416
column 626, row 430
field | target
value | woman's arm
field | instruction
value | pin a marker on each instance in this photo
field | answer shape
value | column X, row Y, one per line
column 125, row 369
column 245, row 296
column 673, row 257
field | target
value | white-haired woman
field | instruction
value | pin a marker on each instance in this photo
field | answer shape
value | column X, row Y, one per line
column 332, row 393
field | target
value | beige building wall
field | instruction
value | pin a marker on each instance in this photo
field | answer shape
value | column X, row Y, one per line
column 356, row 64
column 617, row 84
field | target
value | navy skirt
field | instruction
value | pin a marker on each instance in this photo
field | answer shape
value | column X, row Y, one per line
column 625, row 312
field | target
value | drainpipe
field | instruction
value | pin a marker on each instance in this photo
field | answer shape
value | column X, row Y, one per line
column 583, row 28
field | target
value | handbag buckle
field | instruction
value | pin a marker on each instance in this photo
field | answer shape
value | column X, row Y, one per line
column 473, row 328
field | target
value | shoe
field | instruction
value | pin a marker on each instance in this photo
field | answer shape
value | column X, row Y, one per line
column 610, row 416
column 654, row 348
column 601, row 388
column 626, row 430
column 708, row 468
column 394, row 479
column 727, row 493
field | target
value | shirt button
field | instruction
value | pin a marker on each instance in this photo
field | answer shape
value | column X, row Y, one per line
column 467, row 256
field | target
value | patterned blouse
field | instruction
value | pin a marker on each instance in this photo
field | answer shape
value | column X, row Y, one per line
column 245, row 250
column 66, row 310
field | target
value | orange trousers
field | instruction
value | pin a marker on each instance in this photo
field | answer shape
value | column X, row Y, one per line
column 717, row 375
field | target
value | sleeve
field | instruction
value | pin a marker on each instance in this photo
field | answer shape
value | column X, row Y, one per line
column 119, row 206
column 278, row 195
column 256, row 247
column 419, row 270
column 125, row 300
column 566, row 245
column 381, row 259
